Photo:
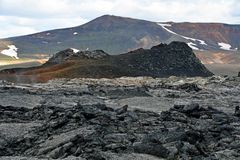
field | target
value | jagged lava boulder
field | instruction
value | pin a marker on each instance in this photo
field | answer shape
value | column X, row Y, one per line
column 72, row 54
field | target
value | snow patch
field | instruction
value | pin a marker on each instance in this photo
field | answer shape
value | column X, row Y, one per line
column 192, row 45
column 224, row 46
column 12, row 51
column 75, row 33
column 164, row 25
column 44, row 42
column 48, row 34
column 202, row 42
column 75, row 50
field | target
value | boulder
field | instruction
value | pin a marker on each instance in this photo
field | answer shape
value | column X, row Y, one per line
column 151, row 148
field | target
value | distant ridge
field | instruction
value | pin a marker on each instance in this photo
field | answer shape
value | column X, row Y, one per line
column 116, row 35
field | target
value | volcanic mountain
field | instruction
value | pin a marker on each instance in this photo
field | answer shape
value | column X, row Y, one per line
column 162, row 60
column 117, row 35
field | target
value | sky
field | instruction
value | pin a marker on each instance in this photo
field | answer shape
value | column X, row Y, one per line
column 20, row 17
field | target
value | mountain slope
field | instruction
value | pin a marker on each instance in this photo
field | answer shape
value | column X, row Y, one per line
column 113, row 34
column 160, row 61
column 116, row 35
column 213, row 33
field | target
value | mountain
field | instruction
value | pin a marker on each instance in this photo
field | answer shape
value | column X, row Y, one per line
column 162, row 60
column 117, row 35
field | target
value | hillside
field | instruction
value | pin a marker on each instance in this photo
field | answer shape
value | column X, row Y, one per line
column 117, row 35
column 160, row 61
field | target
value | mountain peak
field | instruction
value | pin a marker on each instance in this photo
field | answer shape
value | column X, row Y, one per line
column 113, row 17
column 108, row 16
column 112, row 21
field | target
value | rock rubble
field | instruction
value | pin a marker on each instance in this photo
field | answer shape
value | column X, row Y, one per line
column 105, row 119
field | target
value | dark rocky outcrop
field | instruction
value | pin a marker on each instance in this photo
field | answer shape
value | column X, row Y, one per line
column 164, row 60
column 159, row 61
column 72, row 54
column 175, row 59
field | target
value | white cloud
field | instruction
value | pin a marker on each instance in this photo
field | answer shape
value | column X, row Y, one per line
column 16, row 26
column 16, row 31
column 27, row 16
column 181, row 10
column 53, row 8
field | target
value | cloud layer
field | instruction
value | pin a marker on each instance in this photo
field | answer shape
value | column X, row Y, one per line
column 19, row 17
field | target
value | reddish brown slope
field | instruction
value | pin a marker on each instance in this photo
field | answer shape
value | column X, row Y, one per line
column 210, row 32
